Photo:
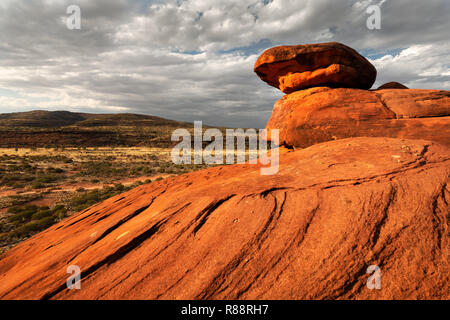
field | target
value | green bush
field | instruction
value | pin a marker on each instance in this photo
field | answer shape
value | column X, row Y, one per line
column 18, row 185
column 23, row 214
column 45, row 222
column 41, row 214
column 55, row 170
column 24, row 221
column 37, row 185
column 46, row 178
column 14, row 210
column 31, row 227
column 27, row 228
column 60, row 213
column 3, row 238
column 119, row 187
column 21, row 217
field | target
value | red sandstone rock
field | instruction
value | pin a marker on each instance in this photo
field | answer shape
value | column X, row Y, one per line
column 392, row 85
column 309, row 232
column 292, row 68
column 322, row 114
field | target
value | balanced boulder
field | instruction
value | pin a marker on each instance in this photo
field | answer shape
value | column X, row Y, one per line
column 292, row 68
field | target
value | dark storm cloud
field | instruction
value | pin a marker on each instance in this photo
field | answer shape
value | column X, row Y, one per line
column 192, row 60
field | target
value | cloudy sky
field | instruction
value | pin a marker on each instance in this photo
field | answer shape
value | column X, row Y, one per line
column 193, row 59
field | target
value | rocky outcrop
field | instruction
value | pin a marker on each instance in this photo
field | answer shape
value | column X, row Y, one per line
column 392, row 85
column 292, row 68
column 309, row 232
column 315, row 115
column 325, row 100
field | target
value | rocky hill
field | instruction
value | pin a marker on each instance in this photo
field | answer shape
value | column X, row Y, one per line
column 69, row 129
column 55, row 119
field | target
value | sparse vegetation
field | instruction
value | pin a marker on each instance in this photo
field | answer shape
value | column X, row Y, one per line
column 21, row 222
column 41, row 186
column 54, row 164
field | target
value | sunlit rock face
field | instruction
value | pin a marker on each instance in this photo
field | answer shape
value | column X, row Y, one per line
column 292, row 68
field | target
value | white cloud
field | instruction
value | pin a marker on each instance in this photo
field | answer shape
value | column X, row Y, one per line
column 419, row 66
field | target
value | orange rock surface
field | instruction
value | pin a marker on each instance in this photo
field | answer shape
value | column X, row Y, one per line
column 309, row 232
column 292, row 68
column 322, row 114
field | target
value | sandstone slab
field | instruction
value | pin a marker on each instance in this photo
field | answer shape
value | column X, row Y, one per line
column 322, row 114
column 309, row 232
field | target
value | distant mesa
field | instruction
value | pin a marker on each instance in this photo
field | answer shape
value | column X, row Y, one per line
column 40, row 128
column 392, row 85
column 56, row 119
column 292, row 68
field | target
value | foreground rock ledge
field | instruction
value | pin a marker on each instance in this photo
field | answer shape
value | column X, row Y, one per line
column 309, row 232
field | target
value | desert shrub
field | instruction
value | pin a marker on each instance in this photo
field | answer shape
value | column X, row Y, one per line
column 60, row 214
column 119, row 187
column 55, row 170
column 3, row 238
column 11, row 179
column 46, row 178
column 37, row 185
column 89, row 198
column 42, row 214
column 25, row 229
column 134, row 171
column 45, row 222
column 24, row 214
column 14, row 210
column 29, row 219
column 32, row 226
column 18, row 185
column 147, row 170
column 21, row 217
